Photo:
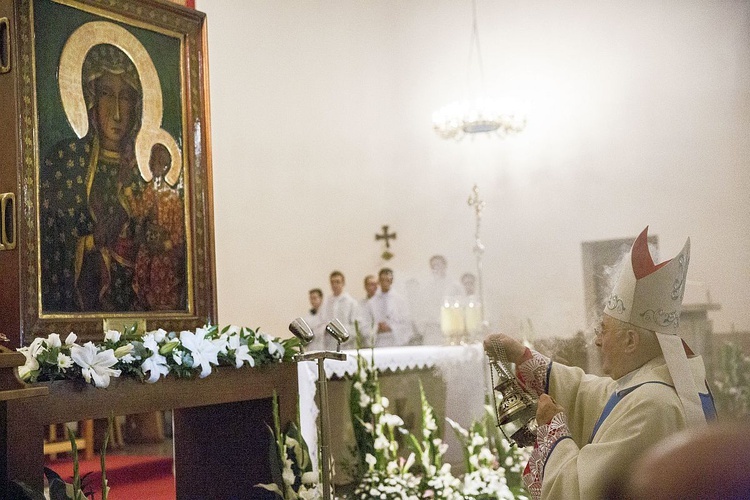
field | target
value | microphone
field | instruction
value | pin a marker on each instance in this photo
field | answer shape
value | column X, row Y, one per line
column 337, row 330
column 301, row 330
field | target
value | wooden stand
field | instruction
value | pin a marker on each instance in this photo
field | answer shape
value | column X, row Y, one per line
column 221, row 433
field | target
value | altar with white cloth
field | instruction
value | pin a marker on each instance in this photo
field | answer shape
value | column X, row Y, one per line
column 453, row 378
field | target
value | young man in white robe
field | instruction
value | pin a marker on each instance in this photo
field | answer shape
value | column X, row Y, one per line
column 339, row 305
column 314, row 318
column 365, row 318
column 390, row 310
column 591, row 428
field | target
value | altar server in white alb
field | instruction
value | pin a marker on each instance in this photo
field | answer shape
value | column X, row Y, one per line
column 390, row 310
column 590, row 427
column 341, row 306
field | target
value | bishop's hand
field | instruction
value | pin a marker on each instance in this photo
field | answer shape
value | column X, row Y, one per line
column 514, row 350
column 546, row 409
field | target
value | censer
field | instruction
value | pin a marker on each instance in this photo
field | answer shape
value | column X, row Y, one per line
column 515, row 408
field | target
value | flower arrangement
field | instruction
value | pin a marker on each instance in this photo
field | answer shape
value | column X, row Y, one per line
column 291, row 468
column 379, row 472
column 150, row 356
column 364, row 391
column 493, row 467
column 436, row 480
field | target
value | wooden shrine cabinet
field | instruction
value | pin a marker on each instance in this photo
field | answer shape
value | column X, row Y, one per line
column 221, row 424
column 105, row 174
column 10, row 255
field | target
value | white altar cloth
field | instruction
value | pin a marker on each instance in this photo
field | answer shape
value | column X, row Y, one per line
column 462, row 368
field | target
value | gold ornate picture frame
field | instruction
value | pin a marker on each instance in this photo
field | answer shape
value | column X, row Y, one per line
column 115, row 217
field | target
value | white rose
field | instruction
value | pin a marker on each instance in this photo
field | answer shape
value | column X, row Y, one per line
column 112, row 335
column 53, row 340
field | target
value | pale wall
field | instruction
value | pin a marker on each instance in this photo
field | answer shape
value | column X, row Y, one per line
column 638, row 113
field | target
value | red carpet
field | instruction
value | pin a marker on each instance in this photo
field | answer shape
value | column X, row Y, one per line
column 130, row 477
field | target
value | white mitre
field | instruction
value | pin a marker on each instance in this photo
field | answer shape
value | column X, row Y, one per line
column 650, row 295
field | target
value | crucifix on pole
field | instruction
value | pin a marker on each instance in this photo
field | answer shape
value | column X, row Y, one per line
column 387, row 237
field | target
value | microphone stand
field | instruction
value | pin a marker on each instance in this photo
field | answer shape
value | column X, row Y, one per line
column 325, row 424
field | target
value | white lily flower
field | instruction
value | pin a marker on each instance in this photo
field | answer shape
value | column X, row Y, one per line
column 241, row 352
column 95, row 365
column 150, row 342
column 156, row 364
column 112, row 336
column 203, row 351
column 31, row 365
column 371, row 460
column 275, row 349
column 53, row 340
column 31, row 352
column 377, row 408
column 221, row 345
column 37, row 346
column 71, row 339
column 384, row 401
column 233, row 330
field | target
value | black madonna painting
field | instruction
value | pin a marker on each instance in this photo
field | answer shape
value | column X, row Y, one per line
column 123, row 195
column 112, row 215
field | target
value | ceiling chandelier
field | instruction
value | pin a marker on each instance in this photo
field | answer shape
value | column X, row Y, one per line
column 478, row 114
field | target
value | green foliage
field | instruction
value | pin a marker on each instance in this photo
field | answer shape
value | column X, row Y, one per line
column 58, row 488
column 494, row 468
column 289, row 458
column 150, row 356
column 365, row 389
column 434, row 476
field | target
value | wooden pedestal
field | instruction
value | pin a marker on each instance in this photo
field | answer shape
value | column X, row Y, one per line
column 221, row 436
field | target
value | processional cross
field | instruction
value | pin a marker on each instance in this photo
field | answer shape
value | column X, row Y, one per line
column 387, row 237
column 478, row 205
